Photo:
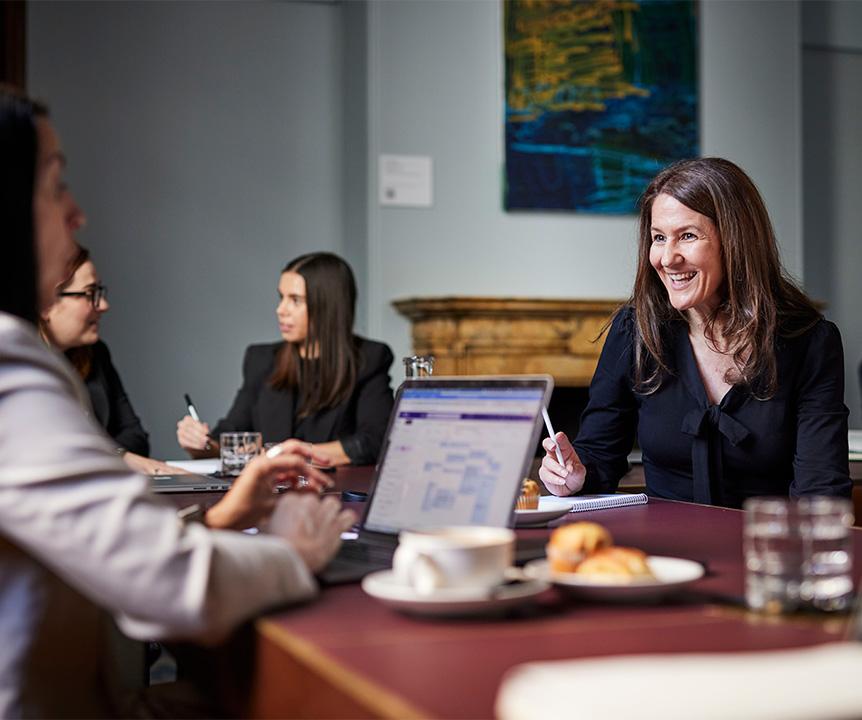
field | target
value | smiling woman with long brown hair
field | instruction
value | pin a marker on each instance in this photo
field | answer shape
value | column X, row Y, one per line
column 723, row 368
column 321, row 384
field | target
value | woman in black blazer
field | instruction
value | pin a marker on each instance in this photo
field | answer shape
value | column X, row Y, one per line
column 724, row 370
column 321, row 384
column 71, row 325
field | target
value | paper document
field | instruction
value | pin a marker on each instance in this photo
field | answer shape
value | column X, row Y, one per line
column 201, row 467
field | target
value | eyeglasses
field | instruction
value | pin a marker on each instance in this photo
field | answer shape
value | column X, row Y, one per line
column 93, row 294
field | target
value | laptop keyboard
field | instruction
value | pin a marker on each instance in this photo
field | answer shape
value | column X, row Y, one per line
column 358, row 551
column 356, row 559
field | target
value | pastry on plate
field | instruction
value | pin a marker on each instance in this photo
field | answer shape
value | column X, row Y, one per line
column 571, row 544
column 529, row 497
column 616, row 564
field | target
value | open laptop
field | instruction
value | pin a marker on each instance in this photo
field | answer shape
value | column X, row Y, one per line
column 455, row 453
column 189, row 483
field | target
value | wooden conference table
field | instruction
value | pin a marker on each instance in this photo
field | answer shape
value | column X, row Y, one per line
column 347, row 655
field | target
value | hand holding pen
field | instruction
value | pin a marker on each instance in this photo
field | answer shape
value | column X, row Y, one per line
column 562, row 471
column 192, row 434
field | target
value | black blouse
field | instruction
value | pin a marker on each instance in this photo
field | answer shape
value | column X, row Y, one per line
column 794, row 443
column 359, row 423
column 111, row 405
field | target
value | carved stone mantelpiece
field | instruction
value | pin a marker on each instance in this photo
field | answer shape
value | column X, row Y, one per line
column 500, row 336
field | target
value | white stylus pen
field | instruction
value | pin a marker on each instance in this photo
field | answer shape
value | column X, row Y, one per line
column 553, row 436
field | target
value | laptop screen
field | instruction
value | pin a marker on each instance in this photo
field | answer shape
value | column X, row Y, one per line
column 456, row 452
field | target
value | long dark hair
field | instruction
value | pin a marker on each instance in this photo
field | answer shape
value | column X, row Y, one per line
column 19, row 293
column 80, row 357
column 759, row 301
column 326, row 376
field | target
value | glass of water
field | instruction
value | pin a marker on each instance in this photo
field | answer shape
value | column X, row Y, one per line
column 237, row 450
column 418, row 366
column 798, row 554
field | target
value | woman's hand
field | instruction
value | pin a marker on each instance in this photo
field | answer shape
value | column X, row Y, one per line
column 559, row 479
column 312, row 526
column 193, row 436
column 253, row 497
column 150, row 466
column 333, row 451
column 315, row 456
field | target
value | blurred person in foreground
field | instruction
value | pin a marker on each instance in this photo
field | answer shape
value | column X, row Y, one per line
column 81, row 538
column 725, row 371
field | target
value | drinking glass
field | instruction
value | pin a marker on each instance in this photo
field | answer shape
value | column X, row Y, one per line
column 418, row 366
column 798, row 554
column 237, row 450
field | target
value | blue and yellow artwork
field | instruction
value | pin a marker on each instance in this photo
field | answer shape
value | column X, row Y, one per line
column 600, row 95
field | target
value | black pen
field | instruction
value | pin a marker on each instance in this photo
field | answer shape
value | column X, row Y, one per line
column 194, row 413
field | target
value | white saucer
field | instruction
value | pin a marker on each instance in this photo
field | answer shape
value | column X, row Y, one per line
column 550, row 508
column 387, row 588
column 670, row 574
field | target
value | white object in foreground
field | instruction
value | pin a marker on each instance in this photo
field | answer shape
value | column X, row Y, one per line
column 819, row 682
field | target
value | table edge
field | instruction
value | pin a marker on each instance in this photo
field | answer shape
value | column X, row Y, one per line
column 367, row 693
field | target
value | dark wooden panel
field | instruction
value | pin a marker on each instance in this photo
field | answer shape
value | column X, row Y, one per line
column 13, row 34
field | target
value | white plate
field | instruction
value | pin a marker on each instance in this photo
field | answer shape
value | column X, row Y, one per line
column 387, row 588
column 550, row 508
column 670, row 574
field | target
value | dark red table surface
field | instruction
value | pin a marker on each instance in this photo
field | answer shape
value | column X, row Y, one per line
column 453, row 668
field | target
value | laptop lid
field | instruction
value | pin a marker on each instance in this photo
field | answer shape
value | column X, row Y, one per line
column 456, row 451
column 188, row 484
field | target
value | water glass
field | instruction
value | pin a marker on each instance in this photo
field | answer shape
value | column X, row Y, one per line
column 418, row 366
column 237, row 450
column 798, row 554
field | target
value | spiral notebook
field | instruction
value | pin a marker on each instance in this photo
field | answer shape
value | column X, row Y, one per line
column 585, row 503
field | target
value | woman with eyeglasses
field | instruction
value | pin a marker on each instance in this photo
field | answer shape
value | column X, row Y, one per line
column 71, row 325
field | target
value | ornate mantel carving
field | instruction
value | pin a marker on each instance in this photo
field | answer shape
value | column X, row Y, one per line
column 497, row 336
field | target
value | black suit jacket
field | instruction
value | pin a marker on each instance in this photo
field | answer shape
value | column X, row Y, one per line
column 359, row 423
column 111, row 405
column 794, row 443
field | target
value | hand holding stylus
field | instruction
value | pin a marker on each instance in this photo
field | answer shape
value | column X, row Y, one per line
column 562, row 471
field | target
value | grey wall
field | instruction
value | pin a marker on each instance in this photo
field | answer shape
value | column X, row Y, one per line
column 204, row 142
column 210, row 142
column 832, row 108
column 436, row 74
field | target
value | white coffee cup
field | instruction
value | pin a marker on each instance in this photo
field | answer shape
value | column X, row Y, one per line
column 453, row 557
